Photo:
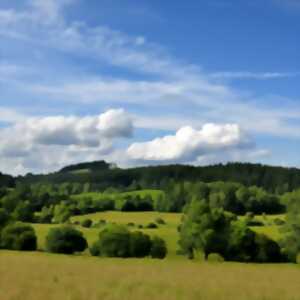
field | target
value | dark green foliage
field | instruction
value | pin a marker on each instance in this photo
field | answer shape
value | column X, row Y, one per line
column 267, row 250
column 241, row 244
column 113, row 242
column 151, row 226
column 87, row 223
column 158, row 248
column 140, row 244
column 95, row 249
column 279, row 222
column 212, row 230
column 118, row 241
column 4, row 218
column 205, row 229
column 46, row 215
column 291, row 241
column 160, row 221
column 136, row 203
column 23, row 212
column 18, row 237
column 66, row 239
column 273, row 179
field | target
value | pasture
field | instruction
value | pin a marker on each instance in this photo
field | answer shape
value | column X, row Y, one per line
column 35, row 276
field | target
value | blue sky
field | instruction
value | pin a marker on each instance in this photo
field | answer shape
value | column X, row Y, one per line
column 147, row 82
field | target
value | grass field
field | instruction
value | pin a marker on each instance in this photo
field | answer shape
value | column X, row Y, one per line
column 35, row 276
column 168, row 231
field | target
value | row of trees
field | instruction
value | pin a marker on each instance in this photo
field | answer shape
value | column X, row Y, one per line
column 100, row 175
column 232, row 197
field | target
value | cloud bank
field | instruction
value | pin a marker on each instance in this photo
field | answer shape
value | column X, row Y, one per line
column 188, row 144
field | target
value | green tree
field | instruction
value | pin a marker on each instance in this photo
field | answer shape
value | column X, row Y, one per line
column 158, row 248
column 18, row 236
column 65, row 239
column 204, row 228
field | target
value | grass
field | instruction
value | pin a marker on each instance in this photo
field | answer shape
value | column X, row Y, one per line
column 35, row 276
column 168, row 231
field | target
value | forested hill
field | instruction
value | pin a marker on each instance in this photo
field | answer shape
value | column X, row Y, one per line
column 273, row 179
column 6, row 181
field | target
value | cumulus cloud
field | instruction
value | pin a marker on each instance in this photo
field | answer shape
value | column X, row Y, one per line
column 188, row 144
column 81, row 137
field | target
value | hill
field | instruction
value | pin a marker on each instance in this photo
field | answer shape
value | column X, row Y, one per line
column 102, row 174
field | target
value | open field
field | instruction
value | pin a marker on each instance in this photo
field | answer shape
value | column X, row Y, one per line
column 168, row 231
column 35, row 276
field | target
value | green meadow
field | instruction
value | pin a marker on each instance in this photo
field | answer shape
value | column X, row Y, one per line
column 35, row 276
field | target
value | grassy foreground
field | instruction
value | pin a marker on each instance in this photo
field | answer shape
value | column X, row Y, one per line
column 35, row 276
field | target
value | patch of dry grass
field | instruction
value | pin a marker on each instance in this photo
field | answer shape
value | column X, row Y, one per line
column 35, row 276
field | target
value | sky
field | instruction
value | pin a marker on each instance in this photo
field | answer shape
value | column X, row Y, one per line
column 145, row 82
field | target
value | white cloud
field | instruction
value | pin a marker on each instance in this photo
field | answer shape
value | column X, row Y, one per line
column 46, row 142
column 251, row 75
column 83, row 131
column 188, row 144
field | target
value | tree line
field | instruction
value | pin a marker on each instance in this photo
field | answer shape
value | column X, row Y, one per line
column 100, row 176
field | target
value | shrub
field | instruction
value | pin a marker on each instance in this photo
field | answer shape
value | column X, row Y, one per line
column 160, row 221
column 158, row 248
column 279, row 222
column 95, row 249
column 140, row 244
column 267, row 250
column 19, row 237
column 254, row 222
column 114, row 241
column 140, row 226
column 215, row 257
column 151, row 226
column 298, row 259
column 66, row 239
column 87, row 223
column 118, row 241
column 130, row 224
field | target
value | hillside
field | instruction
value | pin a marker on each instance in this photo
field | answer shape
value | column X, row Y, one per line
column 271, row 178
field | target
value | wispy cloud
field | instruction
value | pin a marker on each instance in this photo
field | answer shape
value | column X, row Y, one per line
column 167, row 93
column 251, row 75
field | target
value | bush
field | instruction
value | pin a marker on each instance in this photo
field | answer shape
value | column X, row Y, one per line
column 254, row 222
column 160, row 221
column 118, row 241
column 298, row 259
column 114, row 241
column 140, row 244
column 66, row 239
column 279, row 222
column 95, row 249
column 267, row 250
column 215, row 257
column 158, row 248
column 151, row 226
column 87, row 223
column 19, row 237
column 130, row 224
